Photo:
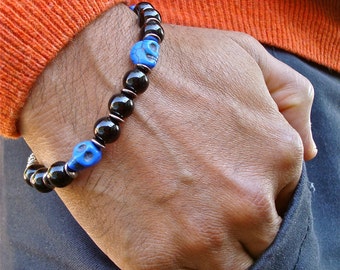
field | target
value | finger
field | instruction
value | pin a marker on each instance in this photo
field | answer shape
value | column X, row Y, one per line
column 295, row 106
column 231, row 255
column 261, row 232
column 294, row 96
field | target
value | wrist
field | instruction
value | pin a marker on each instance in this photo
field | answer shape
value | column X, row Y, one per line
column 50, row 117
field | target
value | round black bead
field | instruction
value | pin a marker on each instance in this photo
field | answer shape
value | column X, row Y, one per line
column 148, row 15
column 57, row 176
column 152, row 29
column 29, row 171
column 38, row 182
column 121, row 105
column 142, row 6
column 107, row 130
column 136, row 81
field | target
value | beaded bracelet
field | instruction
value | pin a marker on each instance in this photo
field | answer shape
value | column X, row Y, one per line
column 144, row 55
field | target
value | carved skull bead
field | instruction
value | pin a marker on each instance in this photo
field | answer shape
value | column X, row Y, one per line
column 145, row 52
column 85, row 154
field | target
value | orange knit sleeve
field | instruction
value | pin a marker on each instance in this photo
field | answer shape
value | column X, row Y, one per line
column 32, row 32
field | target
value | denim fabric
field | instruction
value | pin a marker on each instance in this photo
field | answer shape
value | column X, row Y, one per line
column 38, row 232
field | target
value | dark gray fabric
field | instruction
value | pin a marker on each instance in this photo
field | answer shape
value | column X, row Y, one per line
column 324, row 170
column 37, row 231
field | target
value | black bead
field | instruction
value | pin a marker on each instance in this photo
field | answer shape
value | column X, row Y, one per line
column 57, row 176
column 136, row 81
column 148, row 15
column 107, row 130
column 152, row 29
column 121, row 105
column 38, row 182
column 142, row 6
column 29, row 171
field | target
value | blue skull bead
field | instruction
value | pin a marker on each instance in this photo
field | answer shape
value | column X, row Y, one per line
column 85, row 154
column 145, row 52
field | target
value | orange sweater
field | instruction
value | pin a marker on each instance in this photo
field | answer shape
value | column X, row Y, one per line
column 33, row 31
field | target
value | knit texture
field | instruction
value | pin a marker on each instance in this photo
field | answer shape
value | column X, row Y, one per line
column 310, row 29
column 33, row 31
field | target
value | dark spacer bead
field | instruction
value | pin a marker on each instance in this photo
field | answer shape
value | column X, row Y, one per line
column 136, row 80
column 106, row 130
column 152, row 29
column 30, row 170
column 148, row 15
column 121, row 105
column 142, row 6
column 57, row 176
column 38, row 182
column 99, row 143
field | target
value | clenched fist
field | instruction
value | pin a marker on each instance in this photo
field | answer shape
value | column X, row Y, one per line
column 207, row 163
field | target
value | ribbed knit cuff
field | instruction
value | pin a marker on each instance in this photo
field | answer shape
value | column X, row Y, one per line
column 32, row 32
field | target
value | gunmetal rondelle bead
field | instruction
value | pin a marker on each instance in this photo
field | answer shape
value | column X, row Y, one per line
column 121, row 105
column 136, row 81
column 38, row 182
column 57, row 175
column 148, row 15
column 152, row 29
column 29, row 171
column 107, row 130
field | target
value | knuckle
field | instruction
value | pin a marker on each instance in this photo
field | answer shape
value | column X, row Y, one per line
column 309, row 92
column 260, row 205
column 285, row 145
column 290, row 149
column 305, row 91
column 203, row 235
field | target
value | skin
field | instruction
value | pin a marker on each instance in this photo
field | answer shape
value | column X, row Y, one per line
column 204, row 168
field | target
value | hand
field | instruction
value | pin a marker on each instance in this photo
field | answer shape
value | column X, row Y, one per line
column 203, row 167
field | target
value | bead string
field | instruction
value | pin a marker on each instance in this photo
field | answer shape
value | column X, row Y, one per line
column 144, row 55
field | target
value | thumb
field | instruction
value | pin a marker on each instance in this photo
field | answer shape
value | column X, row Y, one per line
column 292, row 92
column 294, row 95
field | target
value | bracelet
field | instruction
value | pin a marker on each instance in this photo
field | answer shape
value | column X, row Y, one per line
column 144, row 55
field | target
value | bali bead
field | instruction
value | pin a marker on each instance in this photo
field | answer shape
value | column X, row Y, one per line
column 46, row 182
column 130, row 93
column 136, row 80
column 107, row 130
column 152, row 29
column 98, row 142
column 145, row 52
column 38, row 183
column 85, row 154
column 142, row 6
column 57, row 175
column 121, row 105
column 148, row 15
column 30, row 170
